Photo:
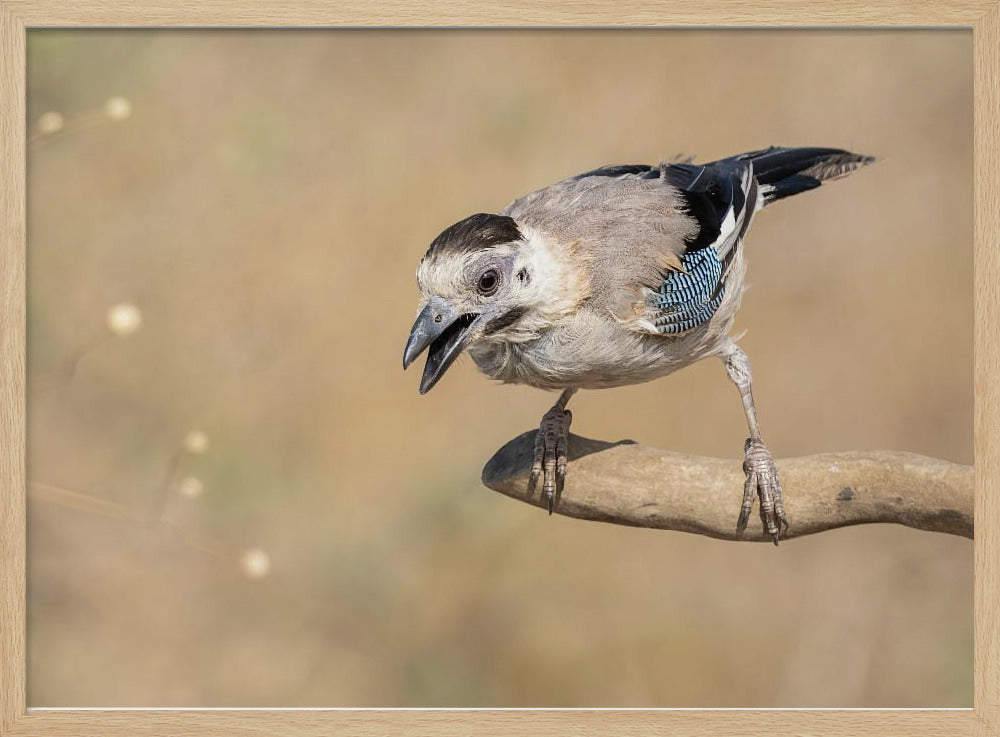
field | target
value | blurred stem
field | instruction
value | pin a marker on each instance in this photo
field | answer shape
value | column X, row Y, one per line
column 67, row 371
column 74, row 125
column 95, row 505
column 159, row 500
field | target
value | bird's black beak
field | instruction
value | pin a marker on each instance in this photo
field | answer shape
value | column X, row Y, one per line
column 445, row 331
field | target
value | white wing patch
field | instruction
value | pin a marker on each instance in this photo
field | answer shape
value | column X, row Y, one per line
column 726, row 230
column 735, row 223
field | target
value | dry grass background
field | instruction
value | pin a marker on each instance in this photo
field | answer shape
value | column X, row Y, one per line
column 265, row 206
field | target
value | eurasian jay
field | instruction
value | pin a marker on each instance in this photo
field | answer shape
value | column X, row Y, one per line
column 616, row 276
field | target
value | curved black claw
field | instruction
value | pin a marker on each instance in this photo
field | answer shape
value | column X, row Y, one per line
column 762, row 482
column 550, row 454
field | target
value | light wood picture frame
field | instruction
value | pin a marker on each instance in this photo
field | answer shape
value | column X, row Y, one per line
column 18, row 16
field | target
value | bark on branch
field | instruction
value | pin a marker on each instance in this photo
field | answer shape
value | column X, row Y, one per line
column 630, row 484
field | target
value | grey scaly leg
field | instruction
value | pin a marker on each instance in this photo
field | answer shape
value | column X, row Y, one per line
column 550, row 449
column 758, row 463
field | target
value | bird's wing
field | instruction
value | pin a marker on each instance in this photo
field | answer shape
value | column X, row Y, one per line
column 661, row 238
column 723, row 197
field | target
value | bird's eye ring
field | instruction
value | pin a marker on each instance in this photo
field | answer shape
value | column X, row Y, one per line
column 489, row 281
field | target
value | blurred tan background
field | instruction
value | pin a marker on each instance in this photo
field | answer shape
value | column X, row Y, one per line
column 262, row 200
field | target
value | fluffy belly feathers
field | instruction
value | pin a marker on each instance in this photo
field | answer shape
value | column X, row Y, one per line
column 595, row 353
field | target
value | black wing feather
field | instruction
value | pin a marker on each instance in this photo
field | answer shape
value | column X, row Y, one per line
column 709, row 193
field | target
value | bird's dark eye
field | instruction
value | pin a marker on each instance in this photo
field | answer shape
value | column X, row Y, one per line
column 488, row 282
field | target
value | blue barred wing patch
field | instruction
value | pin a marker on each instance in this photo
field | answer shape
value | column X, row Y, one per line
column 687, row 300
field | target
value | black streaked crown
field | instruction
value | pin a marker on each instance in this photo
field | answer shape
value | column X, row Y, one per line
column 475, row 233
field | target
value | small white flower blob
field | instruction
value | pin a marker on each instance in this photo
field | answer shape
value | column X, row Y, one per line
column 196, row 442
column 50, row 122
column 124, row 319
column 256, row 563
column 118, row 108
column 190, row 487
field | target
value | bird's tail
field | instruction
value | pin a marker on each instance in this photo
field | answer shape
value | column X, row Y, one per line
column 782, row 172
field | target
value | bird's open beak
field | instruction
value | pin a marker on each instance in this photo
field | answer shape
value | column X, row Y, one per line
column 445, row 332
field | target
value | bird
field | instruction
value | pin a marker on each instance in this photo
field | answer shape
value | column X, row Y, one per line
column 616, row 276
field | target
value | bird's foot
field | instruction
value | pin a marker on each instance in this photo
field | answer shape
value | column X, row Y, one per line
column 550, row 454
column 762, row 482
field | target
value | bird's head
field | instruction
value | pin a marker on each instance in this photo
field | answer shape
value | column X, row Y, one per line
column 484, row 280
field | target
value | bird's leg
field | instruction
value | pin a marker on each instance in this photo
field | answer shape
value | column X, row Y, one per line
column 550, row 449
column 758, row 463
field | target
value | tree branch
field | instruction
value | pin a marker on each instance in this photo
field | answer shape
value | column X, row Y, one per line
column 630, row 484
